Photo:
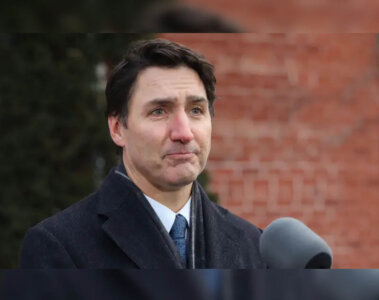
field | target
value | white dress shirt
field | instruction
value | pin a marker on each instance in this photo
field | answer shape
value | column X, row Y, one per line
column 167, row 216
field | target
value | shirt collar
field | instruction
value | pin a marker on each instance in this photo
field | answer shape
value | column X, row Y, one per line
column 166, row 215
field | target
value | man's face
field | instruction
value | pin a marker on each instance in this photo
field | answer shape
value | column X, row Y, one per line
column 168, row 135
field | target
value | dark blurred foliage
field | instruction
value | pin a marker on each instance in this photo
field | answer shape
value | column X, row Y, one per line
column 104, row 16
column 71, row 15
column 55, row 145
column 178, row 17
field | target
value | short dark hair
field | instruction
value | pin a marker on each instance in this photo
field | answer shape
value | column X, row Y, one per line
column 149, row 53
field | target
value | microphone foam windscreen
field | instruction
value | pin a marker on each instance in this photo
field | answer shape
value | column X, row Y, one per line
column 288, row 243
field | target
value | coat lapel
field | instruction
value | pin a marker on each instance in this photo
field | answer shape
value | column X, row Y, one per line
column 133, row 225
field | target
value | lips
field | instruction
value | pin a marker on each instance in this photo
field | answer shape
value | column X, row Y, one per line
column 180, row 155
column 181, row 152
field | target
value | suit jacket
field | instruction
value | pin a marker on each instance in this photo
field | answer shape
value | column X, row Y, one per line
column 116, row 227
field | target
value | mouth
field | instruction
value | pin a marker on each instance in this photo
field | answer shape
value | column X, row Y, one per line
column 180, row 156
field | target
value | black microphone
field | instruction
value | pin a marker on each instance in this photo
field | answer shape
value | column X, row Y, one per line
column 288, row 243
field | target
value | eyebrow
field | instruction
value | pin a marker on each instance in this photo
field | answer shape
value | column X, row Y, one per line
column 169, row 100
column 196, row 99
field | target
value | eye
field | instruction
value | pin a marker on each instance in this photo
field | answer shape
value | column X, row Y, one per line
column 197, row 110
column 157, row 112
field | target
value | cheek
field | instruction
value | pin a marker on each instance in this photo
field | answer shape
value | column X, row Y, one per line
column 204, row 142
column 205, row 135
column 147, row 143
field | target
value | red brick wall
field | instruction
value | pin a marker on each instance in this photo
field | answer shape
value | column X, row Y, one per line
column 296, row 133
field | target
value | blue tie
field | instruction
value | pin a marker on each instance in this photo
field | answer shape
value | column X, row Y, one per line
column 178, row 234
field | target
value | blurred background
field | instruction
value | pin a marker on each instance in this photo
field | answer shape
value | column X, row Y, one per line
column 296, row 130
column 190, row 16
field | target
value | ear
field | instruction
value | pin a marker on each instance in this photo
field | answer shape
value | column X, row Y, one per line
column 116, row 130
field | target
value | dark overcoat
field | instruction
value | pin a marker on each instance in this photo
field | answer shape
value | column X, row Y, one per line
column 116, row 227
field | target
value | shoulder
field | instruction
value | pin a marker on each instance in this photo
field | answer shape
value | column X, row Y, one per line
column 49, row 243
column 236, row 221
column 73, row 217
column 240, row 238
column 243, row 232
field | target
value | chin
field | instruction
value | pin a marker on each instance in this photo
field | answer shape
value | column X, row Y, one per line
column 180, row 179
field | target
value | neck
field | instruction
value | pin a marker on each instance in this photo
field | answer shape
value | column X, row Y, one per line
column 174, row 199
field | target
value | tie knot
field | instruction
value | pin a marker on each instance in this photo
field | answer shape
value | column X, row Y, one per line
column 178, row 230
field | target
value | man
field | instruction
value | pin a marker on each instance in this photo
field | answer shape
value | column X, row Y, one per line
column 150, row 212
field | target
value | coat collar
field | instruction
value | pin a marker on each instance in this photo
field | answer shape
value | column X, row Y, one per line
column 133, row 225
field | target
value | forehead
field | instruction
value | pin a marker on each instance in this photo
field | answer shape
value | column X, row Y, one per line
column 159, row 82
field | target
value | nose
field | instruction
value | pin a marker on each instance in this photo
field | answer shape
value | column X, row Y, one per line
column 180, row 129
